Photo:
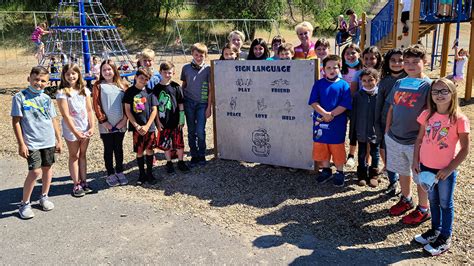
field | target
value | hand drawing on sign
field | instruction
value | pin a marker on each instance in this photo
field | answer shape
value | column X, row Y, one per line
column 288, row 106
column 280, row 82
column 243, row 82
column 233, row 103
column 261, row 143
column 261, row 104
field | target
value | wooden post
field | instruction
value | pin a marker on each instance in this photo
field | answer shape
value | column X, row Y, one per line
column 470, row 64
column 212, row 94
column 415, row 23
column 396, row 18
column 363, row 31
column 445, row 49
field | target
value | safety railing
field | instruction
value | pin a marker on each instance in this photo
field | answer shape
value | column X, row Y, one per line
column 382, row 23
column 437, row 11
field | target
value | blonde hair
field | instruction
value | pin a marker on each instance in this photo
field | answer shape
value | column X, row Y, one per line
column 200, row 47
column 146, row 54
column 453, row 109
column 304, row 25
column 236, row 32
column 80, row 84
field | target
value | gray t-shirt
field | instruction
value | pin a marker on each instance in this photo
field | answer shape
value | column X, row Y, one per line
column 197, row 83
column 111, row 97
column 381, row 109
column 408, row 100
column 37, row 113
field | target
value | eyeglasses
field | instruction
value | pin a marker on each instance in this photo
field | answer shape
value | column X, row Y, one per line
column 303, row 33
column 442, row 92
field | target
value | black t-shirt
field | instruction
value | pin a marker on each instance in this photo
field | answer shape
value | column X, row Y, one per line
column 141, row 103
column 169, row 96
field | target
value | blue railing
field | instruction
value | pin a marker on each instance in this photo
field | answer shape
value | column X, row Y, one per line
column 429, row 11
column 382, row 23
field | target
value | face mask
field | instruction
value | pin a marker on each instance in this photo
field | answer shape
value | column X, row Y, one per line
column 34, row 91
column 352, row 65
column 374, row 90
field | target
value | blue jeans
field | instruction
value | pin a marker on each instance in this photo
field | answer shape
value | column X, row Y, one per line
column 442, row 203
column 196, row 121
column 374, row 153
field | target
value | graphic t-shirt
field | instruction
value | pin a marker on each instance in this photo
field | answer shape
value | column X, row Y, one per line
column 37, row 112
column 408, row 100
column 141, row 105
column 330, row 95
column 77, row 110
column 441, row 140
column 169, row 96
column 197, row 82
column 381, row 110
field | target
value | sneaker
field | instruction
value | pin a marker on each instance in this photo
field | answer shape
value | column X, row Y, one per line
column 141, row 180
column 202, row 160
column 169, row 167
column 46, row 203
column 338, row 179
column 151, row 180
column 350, row 161
column 183, row 167
column 194, row 161
column 85, row 186
column 77, row 191
column 416, row 217
column 25, row 211
column 401, row 207
column 427, row 237
column 112, row 180
column 439, row 246
column 324, row 176
column 122, row 179
column 393, row 190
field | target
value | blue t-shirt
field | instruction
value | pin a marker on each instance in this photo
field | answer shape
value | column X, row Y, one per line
column 37, row 113
column 155, row 79
column 330, row 95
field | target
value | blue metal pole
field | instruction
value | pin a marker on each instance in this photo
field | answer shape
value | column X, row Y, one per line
column 85, row 39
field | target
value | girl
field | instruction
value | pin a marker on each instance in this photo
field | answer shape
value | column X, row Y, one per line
column 74, row 103
column 229, row 52
column 237, row 38
column 351, row 62
column 363, row 126
column 392, row 70
column 443, row 129
column 107, row 98
column 460, row 59
column 258, row 50
column 342, row 33
column 39, row 31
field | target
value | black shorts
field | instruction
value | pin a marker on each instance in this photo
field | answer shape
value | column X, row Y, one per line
column 41, row 158
column 171, row 139
column 405, row 16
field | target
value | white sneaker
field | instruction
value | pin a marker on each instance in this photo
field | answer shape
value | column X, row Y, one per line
column 46, row 203
column 26, row 212
column 439, row 246
column 350, row 162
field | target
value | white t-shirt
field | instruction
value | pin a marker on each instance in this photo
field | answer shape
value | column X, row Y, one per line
column 460, row 66
column 77, row 110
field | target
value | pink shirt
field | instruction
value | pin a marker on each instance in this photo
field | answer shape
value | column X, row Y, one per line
column 36, row 35
column 441, row 140
column 350, row 75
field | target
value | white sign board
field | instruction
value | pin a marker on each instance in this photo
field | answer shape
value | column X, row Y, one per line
column 262, row 111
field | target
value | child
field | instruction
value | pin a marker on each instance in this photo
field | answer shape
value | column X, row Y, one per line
column 140, row 108
column 229, row 52
column 305, row 50
column 405, row 15
column 277, row 41
column 285, row 51
column 459, row 62
column 444, row 8
column 407, row 100
column 258, row 50
column 392, row 70
column 107, row 95
column 351, row 63
column 96, row 67
column 342, row 33
column 34, row 125
column 197, row 103
column 322, row 47
column 330, row 98
column 237, row 38
column 443, row 128
column 74, row 102
column 146, row 58
column 363, row 127
column 170, row 118
column 39, row 31
column 54, row 69
column 354, row 27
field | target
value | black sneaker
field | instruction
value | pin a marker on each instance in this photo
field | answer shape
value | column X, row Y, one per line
column 392, row 190
column 169, row 167
column 427, row 237
column 151, row 180
column 194, row 161
column 439, row 246
column 202, row 160
column 183, row 167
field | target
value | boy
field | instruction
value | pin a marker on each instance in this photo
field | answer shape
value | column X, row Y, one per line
column 277, row 41
column 330, row 98
column 140, row 108
column 197, row 103
column 407, row 100
column 34, row 125
column 322, row 47
column 286, row 51
column 146, row 59
column 170, row 119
